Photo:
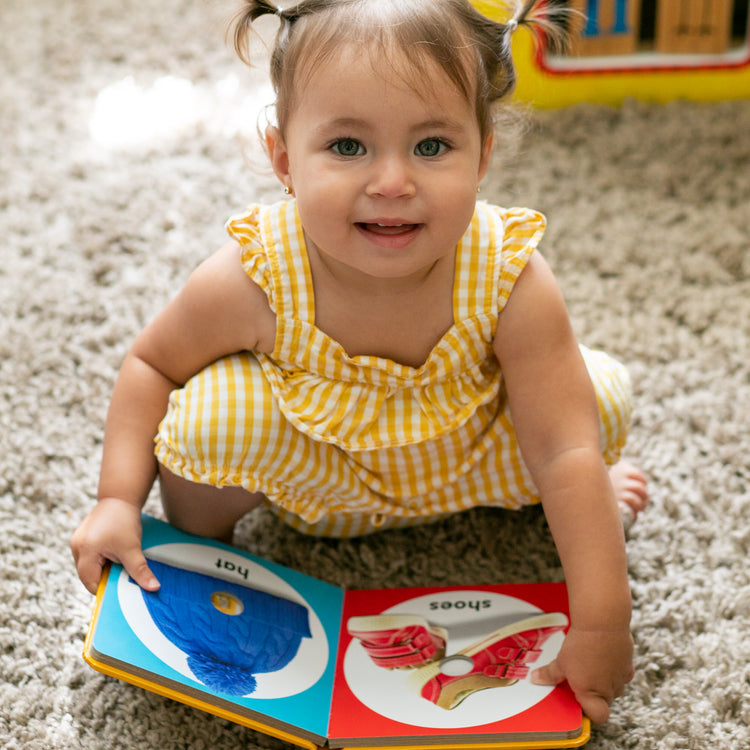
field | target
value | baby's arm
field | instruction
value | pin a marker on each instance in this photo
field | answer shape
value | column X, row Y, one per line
column 112, row 530
column 219, row 311
column 555, row 415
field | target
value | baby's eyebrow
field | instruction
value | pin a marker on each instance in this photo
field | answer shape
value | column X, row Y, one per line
column 343, row 123
column 440, row 124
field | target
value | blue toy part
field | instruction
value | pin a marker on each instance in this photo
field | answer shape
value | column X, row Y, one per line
column 229, row 632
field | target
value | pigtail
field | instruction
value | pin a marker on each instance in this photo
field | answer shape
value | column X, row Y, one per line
column 252, row 10
column 550, row 20
column 242, row 25
column 553, row 19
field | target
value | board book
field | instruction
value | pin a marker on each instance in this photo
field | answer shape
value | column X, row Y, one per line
column 318, row 666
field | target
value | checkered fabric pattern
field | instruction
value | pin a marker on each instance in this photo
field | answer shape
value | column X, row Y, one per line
column 344, row 445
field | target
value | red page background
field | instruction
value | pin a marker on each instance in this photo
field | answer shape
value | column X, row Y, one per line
column 350, row 717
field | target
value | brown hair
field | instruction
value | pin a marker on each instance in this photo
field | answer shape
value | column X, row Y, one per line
column 472, row 50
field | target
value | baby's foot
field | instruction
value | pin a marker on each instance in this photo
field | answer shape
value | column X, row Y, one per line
column 629, row 483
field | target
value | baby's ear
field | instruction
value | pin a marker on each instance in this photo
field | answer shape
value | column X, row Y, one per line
column 279, row 155
column 486, row 157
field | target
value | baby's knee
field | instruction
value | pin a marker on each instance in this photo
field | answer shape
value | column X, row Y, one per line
column 614, row 396
column 204, row 509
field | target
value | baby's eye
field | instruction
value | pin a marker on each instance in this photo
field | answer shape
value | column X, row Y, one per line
column 348, row 147
column 430, row 147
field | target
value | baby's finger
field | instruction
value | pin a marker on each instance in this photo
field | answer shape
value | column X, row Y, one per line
column 90, row 572
column 550, row 674
column 137, row 568
column 594, row 706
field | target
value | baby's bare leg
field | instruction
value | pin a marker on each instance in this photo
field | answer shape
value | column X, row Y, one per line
column 202, row 509
column 630, row 487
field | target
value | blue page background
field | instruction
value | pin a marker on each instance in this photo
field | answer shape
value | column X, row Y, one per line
column 115, row 638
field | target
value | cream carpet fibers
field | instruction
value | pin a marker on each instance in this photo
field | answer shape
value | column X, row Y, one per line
column 119, row 162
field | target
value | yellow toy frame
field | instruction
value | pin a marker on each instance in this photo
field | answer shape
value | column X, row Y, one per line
column 545, row 83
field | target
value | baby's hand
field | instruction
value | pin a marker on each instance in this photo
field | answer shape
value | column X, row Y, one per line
column 597, row 665
column 112, row 531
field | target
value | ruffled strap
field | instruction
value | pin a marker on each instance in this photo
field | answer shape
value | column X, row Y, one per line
column 275, row 257
column 523, row 230
column 490, row 256
column 245, row 228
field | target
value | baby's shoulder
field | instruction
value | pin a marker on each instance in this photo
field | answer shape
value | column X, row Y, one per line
column 230, row 292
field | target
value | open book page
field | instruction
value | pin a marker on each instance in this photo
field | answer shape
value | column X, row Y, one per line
column 451, row 664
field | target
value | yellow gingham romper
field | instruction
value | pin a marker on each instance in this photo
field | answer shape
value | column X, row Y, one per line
column 343, row 446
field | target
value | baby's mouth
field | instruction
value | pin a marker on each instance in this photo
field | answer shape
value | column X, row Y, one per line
column 387, row 230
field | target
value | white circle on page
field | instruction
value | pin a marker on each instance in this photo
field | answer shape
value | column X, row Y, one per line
column 302, row 672
column 387, row 692
column 456, row 666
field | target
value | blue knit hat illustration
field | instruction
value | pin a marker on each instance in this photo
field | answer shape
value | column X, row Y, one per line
column 229, row 632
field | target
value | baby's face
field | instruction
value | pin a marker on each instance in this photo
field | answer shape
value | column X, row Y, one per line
column 385, row 178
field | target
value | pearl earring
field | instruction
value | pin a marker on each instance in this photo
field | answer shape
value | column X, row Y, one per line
column 287, row 191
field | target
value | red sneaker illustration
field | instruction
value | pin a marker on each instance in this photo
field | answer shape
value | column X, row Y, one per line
column 399, row 641
column 499, row 660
